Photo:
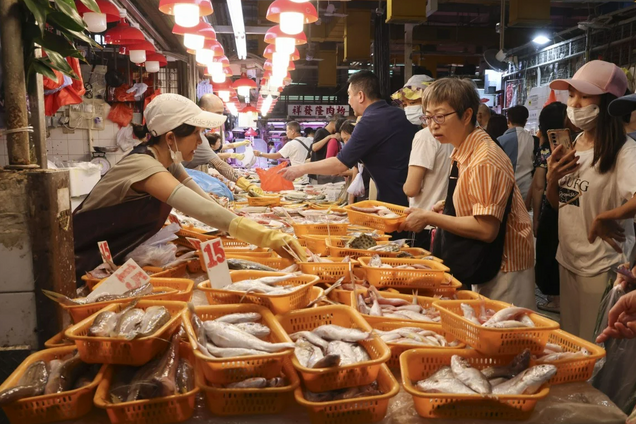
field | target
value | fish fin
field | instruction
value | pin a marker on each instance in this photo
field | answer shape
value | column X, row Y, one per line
column 57, row 297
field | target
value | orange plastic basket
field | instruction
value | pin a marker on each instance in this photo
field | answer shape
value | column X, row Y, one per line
column 405, row 278
column 337, row 247
column 387, row 225
column 108, row 350
column 63, row 406
column 493, row 341
column 329, row 272
column 169, row 409
column 155, row 272
column 325, row 379
column 264, row 201
column 278, row 304
column 423, row 301
column 59, row 340
column 419, row 364
column 230, row 370
column 183, row 286
column 271, row 400
column 196, row 233
column 449, row 290
column 398, row 348
column 272, row 262
column 573, row 369
column 353, row 411
column 322, row 229
column 314, row 294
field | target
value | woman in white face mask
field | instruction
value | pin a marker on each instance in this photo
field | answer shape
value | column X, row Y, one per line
column 596, row 177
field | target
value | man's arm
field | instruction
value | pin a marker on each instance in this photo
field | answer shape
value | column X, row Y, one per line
column 276, row 155
column 224, row 168
column 320, row 144
column 331, row 166
column 413, row 184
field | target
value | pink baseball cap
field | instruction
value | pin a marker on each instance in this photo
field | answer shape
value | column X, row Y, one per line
column 595, row 78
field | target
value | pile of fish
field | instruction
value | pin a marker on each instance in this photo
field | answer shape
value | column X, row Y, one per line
column 103, row 270
column 511, row 317
column 145, row 290
column 374, row 304
column 381, row 211
column 130, row 322
column 415, row 336
column 166, row 375
column 330, row 346
column 513, row 379
column 553, row 352
column 376, row 262
column 344, row 394
column 245, row 264
column 258, row 383
column 188, row 221
column 233, row 335
column 56, row 376
column 265, row 285
column 312, row 257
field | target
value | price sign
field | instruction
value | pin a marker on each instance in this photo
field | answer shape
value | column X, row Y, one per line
column 129, row 276
column 107, row 257
column 215, row 263
column 196, row 243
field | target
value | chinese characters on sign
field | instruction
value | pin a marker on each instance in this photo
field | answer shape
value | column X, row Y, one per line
column 317, row 111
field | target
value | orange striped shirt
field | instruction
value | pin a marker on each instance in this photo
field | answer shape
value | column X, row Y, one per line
column 485, row 180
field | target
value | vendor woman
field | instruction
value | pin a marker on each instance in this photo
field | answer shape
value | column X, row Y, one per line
column 484, row 233
column 133, row 200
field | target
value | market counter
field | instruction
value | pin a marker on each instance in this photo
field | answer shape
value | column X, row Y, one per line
column 575, row 403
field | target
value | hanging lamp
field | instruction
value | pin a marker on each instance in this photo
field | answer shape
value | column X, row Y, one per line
column 155, row 61
column 285, row 43
column 194, row 37
column 123, row 33
column 291, row 15
column 97, row 21
column 271, row 48
column 243, row 85
column 186, row 12
column 137, row 51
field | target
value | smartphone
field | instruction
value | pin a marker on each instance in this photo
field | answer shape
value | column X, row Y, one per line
column 560, row 137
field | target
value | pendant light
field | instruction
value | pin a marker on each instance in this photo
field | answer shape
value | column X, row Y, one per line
column 291, row 15
column 97, row 21
column 243, row 86
column 271, row 48
column 194, row 37
column 123, row 34
column 210, row 50
column 155, row 61
column 186, row 12
column 285, row 43
column 137, row 51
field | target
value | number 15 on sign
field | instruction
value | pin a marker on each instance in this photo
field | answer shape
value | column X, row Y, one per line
column 215, row 263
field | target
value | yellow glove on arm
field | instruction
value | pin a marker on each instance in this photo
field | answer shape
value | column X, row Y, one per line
column 239, row 156
column 249, row 231
column 252, row 189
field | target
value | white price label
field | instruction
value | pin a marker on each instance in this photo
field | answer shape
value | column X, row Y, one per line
column 129, row 276
column 215, row 263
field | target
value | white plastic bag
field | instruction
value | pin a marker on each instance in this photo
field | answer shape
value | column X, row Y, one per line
column 125, row 139
column 156, row 251
column 357, row 185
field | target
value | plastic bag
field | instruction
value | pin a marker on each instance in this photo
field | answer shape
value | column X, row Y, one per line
column 617, row 377
column 210, row 184
column 156, row 251
column 357, row 185
column 121, row 114
column 271, row 180
column 125, row 138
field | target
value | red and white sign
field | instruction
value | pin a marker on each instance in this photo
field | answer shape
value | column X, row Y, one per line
column 215, row 263
column 317, row 111
column 196, row 243
column 129, row 276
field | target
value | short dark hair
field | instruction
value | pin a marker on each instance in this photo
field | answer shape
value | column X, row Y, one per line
column 339, row 124
column 497, row 125
column 552, row 117
column 368, row 83
column 518, row 115
column 347, row 127
column 142, row 132
column 309, row 130
column 293, row 125
column 213, row 138
column 460, row 94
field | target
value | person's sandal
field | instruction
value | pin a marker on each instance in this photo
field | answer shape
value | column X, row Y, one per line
column 549, row 307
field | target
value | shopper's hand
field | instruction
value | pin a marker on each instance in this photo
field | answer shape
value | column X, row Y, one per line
column 621, row 321
column 255, row 191
column 416, row 220
column 439, row 206
column 609, row 230
column 535, row 226
column 561, row 163
column 292, row 172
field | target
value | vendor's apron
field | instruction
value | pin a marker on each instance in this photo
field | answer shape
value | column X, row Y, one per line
column 471, row 261
column 124, row 226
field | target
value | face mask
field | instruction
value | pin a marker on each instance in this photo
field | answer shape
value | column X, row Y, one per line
column 413, row 114
column 177, row 156
column 584, row 117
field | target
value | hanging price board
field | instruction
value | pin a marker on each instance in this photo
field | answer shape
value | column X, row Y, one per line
column 129, row 276
column 215, row 263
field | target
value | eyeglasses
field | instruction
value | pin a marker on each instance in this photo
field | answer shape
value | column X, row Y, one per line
column 439, row 119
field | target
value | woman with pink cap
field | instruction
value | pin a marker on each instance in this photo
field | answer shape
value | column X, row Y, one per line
column 597, row 175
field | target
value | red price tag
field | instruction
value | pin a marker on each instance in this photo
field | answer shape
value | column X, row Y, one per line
column 215, row 263
column 196, row 243
column 105, row 251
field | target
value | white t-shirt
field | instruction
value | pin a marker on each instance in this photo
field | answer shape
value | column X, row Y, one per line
column 434, row 156
column 293, row 150
column 599, row 193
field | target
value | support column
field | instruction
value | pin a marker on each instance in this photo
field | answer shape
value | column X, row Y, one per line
column 381, row 52
column 38, row 119
column 408, row 51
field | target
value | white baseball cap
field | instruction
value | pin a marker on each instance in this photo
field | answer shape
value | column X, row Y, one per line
column 167, row 111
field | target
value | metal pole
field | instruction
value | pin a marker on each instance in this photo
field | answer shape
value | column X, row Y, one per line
column 408, row 51
column 14, row 85
column 502, row 24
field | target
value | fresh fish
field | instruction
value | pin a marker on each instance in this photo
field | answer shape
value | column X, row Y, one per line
column 277, row 382
column 443, row 373
column 328, row 361
column 228, row 335
column 230, row 352
column 494, row 382
column 528, row 382
column 553, row 347
column 520, row 363
column 311, row 338
column 251, row 286
column 199, row 331
column 128, row 325
column 66, row 375
column 444, row 385
column 469, row 313
column 239, row 318
column 507, row 324
column 255, row 329
column 557, row 356
column 32, row 383
column 335, row 332
column 303, row 351
column 276, row 279
column 362, row 306
column 185, row 377
column 53, row 380
column 154, row 319
column 334, row 286
column 158, row 377
column 362, row 242
column 140, row 291
column 414, row 316
column 375, row 261
column 88, row 377
column 344, row 394
column 471, row 377
column 525, row 319
column 250, row 383
column 507, row 314
column 375, row 310
column 360, row 353
column 120, row 384
column 103, row 324
column 345, row 350
column 244, row 264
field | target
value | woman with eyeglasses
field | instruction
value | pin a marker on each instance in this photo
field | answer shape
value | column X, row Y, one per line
column 589, row 184
column 484, row 233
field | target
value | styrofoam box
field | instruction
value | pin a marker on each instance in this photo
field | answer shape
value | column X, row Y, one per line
column 83, row 180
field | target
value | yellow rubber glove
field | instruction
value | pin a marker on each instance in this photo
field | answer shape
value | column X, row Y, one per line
column 249, row 231
column 242, row 143
column 239, row 156
column 252, row 189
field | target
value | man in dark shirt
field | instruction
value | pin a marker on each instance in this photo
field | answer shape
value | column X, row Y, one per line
column 319, row 146
column 381, row 141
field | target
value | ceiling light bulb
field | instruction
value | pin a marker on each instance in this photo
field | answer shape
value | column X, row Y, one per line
column 280, row 60
column 244, row 91
column 95, row 22
column 218, row 78
column 291, row 22
column 204, row 56
column 193, row 41
column 541, row 39
column 224, row 95
column 152, row 66
column 285, row 45
column 137, row 56
column 186, row 15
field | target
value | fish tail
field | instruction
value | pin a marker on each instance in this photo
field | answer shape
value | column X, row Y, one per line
column 57, row 297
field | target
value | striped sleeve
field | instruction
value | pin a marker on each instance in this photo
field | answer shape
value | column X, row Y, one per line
column 489, row 190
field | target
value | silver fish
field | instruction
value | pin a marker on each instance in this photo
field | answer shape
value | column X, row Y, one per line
column 360, row 353
column 103, row 324
column 32, row 383
column 556, row 356
column 335, row 332
column 469, row 313
column 255, row 329
column 443, row 383
column 494, row 382
column 239, row 318
column 311, row 338
column 128, row 325
column 471, row 377
column 507, row 314
column 250, row 383
column 277, row 382
column 507, row 324
column 528, row 382
column 525, row 319
column 375, row 261
column 243, row 264
column 518, row 364
column 158, row 377
column 228, row 335
column 328, row 361
column 303, row 351
column 185, row 377
column 154, row 319
column 345, row 350
column 230, row 352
